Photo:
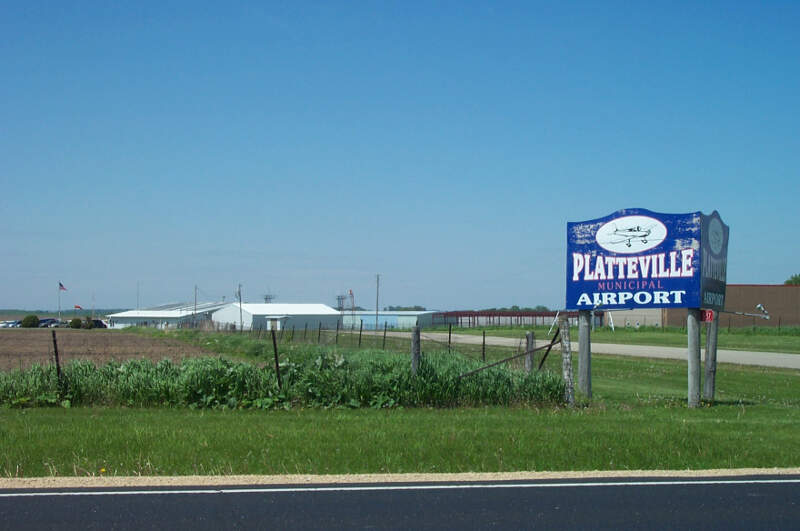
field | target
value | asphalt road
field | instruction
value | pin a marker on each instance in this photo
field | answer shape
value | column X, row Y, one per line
column 766, row 359
column 708, row 503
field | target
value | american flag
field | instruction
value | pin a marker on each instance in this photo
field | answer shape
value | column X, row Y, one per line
column 61, row 287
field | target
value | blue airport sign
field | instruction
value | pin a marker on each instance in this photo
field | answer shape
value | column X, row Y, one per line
column 636, row 258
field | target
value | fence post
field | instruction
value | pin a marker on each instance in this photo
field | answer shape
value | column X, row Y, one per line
column 385, row 324
column 414, row 350
column 319, row 333
column 483, row 347
column 336, row 341
column 58, row 364
column 530, row 344
column 449, row 336
column 693, row 331
column 360, row 329
column 275, row 350
column 711, row 358
column 585, row 353
column 566, row 360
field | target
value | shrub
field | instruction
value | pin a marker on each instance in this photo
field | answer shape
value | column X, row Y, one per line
column 30, row 321
column 75, row 323
column 88, row 323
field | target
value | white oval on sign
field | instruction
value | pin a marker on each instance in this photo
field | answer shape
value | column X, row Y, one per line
column 631, row 234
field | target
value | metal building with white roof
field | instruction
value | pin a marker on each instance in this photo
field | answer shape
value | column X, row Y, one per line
column 166, row 316
column 274, row 316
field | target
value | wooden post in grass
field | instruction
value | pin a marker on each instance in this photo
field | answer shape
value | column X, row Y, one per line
column 58, row 362
column 483, row 347
column 277, row 366
column 566, row 360
column 415, row 349
column 693, row 330
column 385, row 324
column 360, row 329
column 319, row 333
column 449, row 336
column 711, row 358
column 585, row 352
column 530, row 344
column 336, row 341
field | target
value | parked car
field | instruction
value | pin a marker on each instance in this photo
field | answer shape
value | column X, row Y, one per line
column 47, row 323
column 99, row 323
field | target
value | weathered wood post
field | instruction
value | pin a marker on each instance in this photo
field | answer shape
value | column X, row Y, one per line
column 360, row 330
column 415, row 350
column 693, row 330
column 483, row 347
column 385, row 324
column 566, row 360
column 711, row 358
column 449, row 336
column 277, row 365
column 58, row 365
column 530, row 344
column 336, row 341
column 585, row 352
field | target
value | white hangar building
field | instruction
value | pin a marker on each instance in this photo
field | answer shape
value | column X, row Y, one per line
column 166, row 316
column 277, row 316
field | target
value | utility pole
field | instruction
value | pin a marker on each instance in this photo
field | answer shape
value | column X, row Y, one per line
column 241, row 322
column 377, row 291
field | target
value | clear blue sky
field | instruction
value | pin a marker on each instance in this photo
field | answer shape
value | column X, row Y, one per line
column 304, row 147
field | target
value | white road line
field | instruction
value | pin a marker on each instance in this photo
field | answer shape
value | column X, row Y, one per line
column 279, row 490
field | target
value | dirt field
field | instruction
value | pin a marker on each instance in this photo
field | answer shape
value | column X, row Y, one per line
column 22, row 347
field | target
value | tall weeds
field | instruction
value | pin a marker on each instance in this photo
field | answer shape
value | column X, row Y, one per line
column 311, row 377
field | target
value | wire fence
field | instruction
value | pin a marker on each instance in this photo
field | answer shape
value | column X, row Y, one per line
column 398, row 342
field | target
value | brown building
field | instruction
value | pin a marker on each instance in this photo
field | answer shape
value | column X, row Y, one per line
column 780, row 300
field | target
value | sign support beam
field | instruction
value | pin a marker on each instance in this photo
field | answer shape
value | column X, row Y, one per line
column 693, row 329
column 711, row 358
column 585, row 353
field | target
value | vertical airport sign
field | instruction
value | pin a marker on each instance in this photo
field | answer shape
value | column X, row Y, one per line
column 636, row 258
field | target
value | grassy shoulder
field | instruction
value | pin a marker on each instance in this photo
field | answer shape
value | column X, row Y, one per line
column 786, row 340
column 637, row 420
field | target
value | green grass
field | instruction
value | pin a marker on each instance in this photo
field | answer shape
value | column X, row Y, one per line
column 761, row 339
column 638, row 419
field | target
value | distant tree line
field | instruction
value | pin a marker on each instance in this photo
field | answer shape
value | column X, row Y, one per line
column 515, row 308
column 793, row 280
